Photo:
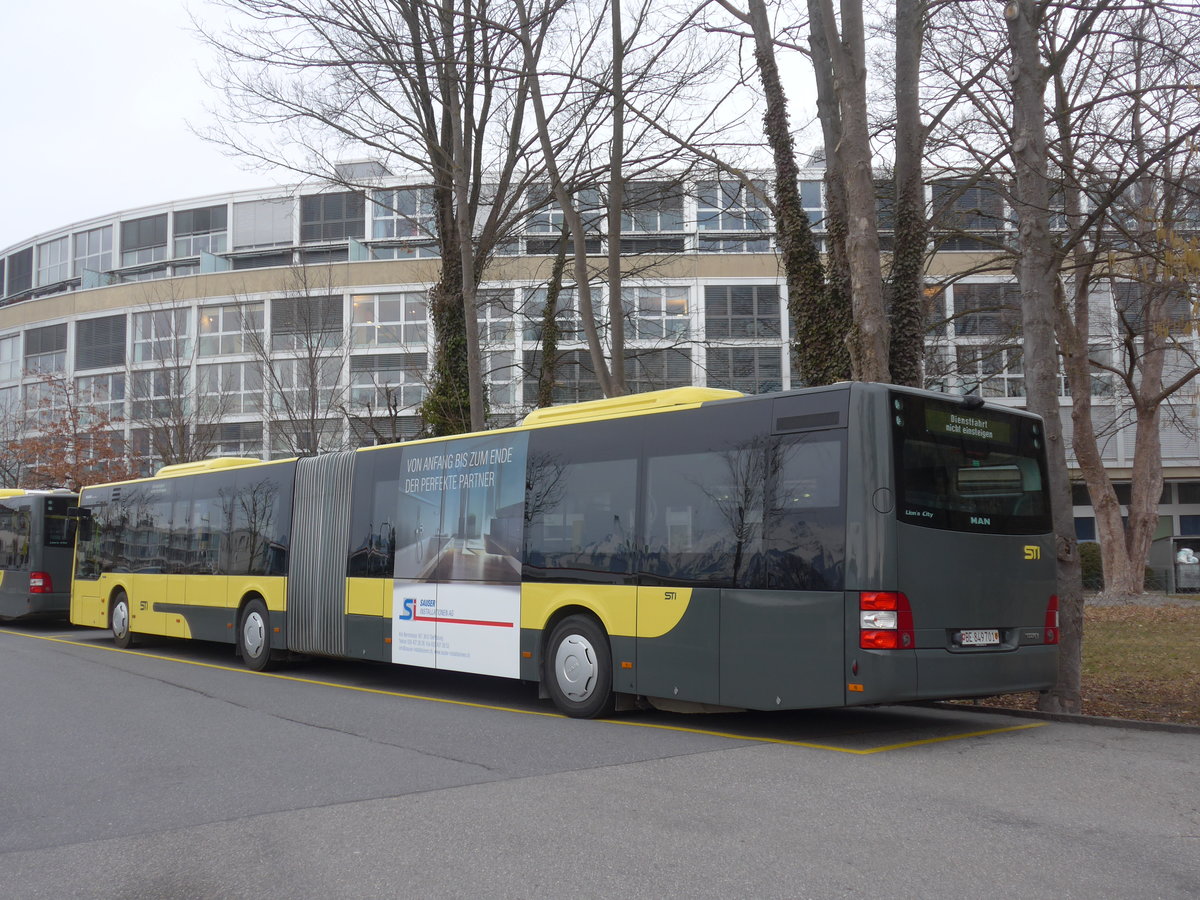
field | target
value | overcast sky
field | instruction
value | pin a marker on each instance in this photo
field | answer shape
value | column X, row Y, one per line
column 98, row 95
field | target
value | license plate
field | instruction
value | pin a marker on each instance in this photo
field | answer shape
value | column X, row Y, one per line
column 980, row 637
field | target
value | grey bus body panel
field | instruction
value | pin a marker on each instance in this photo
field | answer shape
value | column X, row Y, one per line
column 781, row 649
column 683, row 664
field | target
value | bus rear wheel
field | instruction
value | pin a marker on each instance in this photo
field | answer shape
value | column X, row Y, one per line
column 254, row 636
column 119, row 620
column 578, row 668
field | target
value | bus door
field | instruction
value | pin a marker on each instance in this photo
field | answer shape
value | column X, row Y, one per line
column 87, row 606
column 148, row 554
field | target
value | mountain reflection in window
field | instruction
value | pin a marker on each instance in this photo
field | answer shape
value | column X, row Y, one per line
column 806, row 540
column 579, row 518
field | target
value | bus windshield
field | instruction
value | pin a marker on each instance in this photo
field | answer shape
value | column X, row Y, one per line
column 968, row 470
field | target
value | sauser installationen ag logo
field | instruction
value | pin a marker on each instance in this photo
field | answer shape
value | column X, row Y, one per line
column 408, row 608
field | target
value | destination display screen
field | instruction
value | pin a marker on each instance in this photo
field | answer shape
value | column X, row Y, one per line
column 952, row 423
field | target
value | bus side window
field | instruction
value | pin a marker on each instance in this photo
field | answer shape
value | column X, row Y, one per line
column 806, row 530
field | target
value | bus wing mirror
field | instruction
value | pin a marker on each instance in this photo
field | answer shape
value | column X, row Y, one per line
column 78, row 512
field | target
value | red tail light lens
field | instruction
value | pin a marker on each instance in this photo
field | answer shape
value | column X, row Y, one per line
column 40, row 583
column 885, row 621
column 1050, row 632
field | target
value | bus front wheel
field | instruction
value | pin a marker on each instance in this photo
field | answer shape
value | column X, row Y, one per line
column 119, row 620
column 254, row 636
column 578, row 668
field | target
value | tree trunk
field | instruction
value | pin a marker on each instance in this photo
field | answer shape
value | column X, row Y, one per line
column 907, row 283
column 869, row 340
column 1037, row 272
column 816, row 339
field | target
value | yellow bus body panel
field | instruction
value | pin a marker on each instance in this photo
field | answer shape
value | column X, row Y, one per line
column 369, row 597
column 614, row 605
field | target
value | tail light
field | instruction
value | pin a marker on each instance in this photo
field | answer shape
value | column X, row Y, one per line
column 885, row 621
column 40, row 583
column 1050, row 632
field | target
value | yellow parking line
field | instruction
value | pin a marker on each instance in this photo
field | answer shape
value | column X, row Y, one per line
column 533, row 712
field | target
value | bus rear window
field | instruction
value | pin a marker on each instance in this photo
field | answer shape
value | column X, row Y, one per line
column 968, row 470
column 57, row 530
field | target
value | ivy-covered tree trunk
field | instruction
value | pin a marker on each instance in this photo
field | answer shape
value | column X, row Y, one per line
column 831, row 327
column 906, row 288
column 548, row 370
column 447, row 406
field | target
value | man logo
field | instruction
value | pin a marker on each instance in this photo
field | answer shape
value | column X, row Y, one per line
column 1033, row 552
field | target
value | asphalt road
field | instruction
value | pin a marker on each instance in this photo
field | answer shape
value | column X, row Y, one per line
column 170, row 772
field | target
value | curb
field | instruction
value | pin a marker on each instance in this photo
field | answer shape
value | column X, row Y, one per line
column 1071, row 718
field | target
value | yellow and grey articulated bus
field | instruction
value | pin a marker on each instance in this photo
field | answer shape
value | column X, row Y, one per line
column 35, row 553
column 692, row 548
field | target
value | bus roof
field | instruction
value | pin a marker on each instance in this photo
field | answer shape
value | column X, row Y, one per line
column 20, row 492
column 628, row 405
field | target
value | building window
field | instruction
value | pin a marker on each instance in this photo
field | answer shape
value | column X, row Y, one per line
column 991, row 371
column 20, row 271
column 264, row 223
column 201, row 230
column 389, row 320
column 100, row 342
column 566, row 315
column 731, row 206
column 987, row 309
column 960, row 206
column 654, row 370
column 303, row 385
column 144, row 240
column 46, row 349
column 574, row 379
column 10, row 357
column 331, row 217
column 235, row 439
column 306, row 323
column 1189, row 524
column 387, row 382
column 159, row 394
column 500, row 377
column 652, row 206
column 53, row 261
column 415, row 250
column 403, row 213
column 751, row 370
column 549, row 218
column 104, row 394
column 162, row 334
column 236, row 328
column 741, row 311
column 231, row 389
column 496, row 307
column 1085, row 528
column 658, row 312
column 93, row 250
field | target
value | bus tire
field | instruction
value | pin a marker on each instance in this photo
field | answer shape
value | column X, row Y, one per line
column 119, row 620
column 578, row 668
column 254, row 635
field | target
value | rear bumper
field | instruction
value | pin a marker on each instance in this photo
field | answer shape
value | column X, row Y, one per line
column 945, row 675
column 57, row 604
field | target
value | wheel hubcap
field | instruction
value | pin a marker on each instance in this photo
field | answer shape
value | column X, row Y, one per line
column 254, row 634
column 120, row 620
column 575, row 667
